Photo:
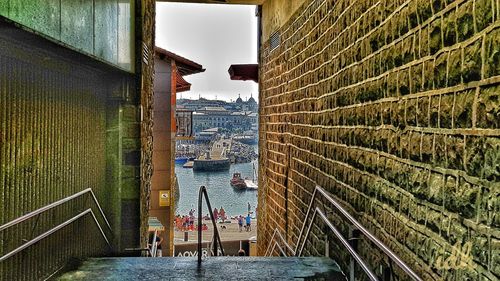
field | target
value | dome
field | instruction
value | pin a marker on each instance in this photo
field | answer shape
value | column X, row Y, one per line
column 251, row 100
column 239, row 100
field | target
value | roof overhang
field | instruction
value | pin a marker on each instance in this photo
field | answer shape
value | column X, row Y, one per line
column 244, row 72
column 184, row 65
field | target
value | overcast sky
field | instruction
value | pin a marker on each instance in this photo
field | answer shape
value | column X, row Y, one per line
column 214, row 36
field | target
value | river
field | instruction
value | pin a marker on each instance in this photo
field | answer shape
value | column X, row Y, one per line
column 220, row 192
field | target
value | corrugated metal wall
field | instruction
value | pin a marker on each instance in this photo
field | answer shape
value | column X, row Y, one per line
column 52, row 145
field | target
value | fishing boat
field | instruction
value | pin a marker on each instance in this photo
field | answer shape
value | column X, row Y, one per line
column 181, row 159
column 237, row 182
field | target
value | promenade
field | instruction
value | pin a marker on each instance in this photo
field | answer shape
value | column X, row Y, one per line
column 229, row 233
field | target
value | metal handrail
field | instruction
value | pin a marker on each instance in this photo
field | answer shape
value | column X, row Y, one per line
column 344, row 242
column 203, row 192
column 276, row 232
column 52, row 231
column 154, row 245
column 360, row 227
column 53, row 205
column 371, row 237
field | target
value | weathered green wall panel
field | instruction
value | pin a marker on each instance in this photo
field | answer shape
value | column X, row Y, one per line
column 40, row 15
column 125, row 34
column 106, row 30
column 77, row 24
column 4, row 8
column 60, row 133
column 103, row 28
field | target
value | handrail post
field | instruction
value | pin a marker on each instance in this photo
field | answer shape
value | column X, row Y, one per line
column 200, row 194
column 154, row 246
column 353, row 241
column 203, row 192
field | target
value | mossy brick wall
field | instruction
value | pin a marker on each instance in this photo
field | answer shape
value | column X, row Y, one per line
column 393, row 107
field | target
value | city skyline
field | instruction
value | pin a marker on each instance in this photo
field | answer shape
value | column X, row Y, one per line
column 215, row 36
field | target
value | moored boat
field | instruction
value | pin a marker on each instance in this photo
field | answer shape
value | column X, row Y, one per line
column 181, row 159
column 237, row 182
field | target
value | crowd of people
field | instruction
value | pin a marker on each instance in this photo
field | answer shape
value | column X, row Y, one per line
column 187, row 222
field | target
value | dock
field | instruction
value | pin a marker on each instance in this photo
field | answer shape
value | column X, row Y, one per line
column 215, row 159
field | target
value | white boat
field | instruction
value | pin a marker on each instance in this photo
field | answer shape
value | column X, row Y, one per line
column 252, row 183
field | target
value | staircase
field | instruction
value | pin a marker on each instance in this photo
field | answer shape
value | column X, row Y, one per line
column 214, row 268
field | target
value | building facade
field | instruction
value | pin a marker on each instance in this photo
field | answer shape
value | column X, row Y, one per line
column 219, row 117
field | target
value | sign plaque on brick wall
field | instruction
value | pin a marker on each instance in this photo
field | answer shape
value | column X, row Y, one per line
column 164, row 198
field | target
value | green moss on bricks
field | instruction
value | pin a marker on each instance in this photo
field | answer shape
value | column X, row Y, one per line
column 454, row 67
column 493, row 53
column 129, row 113
column 130, row 188
column 483, row 13
column 471, row 70
column 462, row 113
column 465, row 21
column 435, row 39
column 131, row 144
column 488, row 108
column 131, row 130
column 449, row 27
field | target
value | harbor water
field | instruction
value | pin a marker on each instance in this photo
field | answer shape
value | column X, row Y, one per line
column 220, row 192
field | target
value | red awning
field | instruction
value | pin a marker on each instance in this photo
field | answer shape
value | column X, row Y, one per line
column 244, row 72
column 182, row 85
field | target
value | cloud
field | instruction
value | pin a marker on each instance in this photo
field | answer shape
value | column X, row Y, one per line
column 215, row 36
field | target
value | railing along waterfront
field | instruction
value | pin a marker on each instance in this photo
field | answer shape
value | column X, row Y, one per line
column 358, row 226
column 203, row 193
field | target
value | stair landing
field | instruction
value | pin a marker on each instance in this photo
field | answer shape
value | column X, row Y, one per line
column 213, row 268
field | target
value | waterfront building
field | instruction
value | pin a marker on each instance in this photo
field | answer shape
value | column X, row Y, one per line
column 210, row 117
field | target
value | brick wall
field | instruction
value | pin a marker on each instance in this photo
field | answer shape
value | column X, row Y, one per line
column 393, row 107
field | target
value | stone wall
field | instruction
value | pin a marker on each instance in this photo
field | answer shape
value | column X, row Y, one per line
column 393, row 107
column 145, row 30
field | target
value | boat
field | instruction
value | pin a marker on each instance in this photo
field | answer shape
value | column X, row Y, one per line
column 211, row 165
column 250, row 184
column 237, row 182
column 181, row 159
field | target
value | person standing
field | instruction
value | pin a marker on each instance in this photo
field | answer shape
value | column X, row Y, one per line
column 222, row 214
column 216, row 214
column 240, row 223
column 249, row 221
column 249, row 207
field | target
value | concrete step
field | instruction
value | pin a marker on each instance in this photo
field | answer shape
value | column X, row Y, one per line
column 213, row 268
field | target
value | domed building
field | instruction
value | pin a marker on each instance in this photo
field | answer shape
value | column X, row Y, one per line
column 252, row 104
column 239, row 100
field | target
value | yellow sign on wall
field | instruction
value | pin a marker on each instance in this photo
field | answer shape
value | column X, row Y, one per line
column 164, row 198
